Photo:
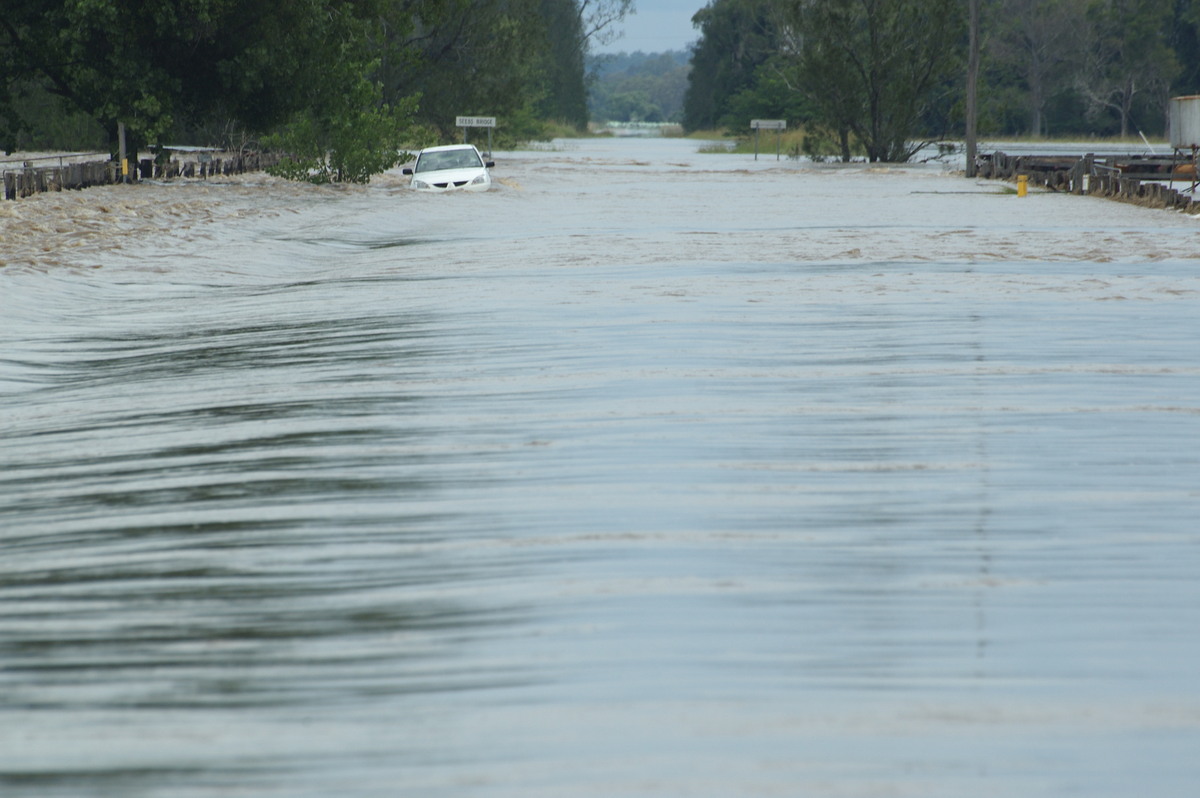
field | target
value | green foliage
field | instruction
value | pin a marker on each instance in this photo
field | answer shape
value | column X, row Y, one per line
column 1125, row 55
column 349, row 144
column 771, row 96
column 1101, row 67
column 737, row 37
column 874, row 67
column 160, row 65
column 520, row 61
column 52, row 123
column 1183, row 37
column 563, row 96
column 333, row 80
column 1030, row 42
column 888, row 73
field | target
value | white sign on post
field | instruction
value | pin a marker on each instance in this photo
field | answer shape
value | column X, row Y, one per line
column 767, row 124
column 476, row 121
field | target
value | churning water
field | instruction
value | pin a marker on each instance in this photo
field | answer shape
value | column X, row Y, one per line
column 648, row 473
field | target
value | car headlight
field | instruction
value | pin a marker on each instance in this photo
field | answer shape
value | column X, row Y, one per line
column 419, row 184
column 483, row 178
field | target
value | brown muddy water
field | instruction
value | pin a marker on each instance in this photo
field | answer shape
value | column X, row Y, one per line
column 648, row 473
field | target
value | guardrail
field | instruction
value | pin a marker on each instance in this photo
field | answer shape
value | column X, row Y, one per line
column 61, row 157
column 28, row 179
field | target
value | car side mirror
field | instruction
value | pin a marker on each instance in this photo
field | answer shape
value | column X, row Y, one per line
column 406, row 171
column 490, row 164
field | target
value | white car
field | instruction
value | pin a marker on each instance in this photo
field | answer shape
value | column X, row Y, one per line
column 455, row 166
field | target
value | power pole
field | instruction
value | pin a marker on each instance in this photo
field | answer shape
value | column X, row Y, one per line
column 122, row 161
column 972, row 84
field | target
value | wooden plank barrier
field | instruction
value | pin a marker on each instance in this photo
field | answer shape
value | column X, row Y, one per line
column 1128, row 178
column 30, row 180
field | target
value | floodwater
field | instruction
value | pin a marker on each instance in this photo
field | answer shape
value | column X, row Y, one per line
column 648, row 473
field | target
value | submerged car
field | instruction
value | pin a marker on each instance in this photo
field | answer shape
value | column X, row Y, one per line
column 454, row 166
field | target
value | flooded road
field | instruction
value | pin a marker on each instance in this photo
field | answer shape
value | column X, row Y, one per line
column 648, row 473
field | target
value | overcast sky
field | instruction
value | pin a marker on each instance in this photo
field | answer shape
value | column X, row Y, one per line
column 656, row 26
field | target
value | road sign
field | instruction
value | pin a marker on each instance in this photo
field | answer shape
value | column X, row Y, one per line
column 476, row 121
column 767, row 124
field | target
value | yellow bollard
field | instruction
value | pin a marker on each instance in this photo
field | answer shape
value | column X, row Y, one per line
column 1022, row 185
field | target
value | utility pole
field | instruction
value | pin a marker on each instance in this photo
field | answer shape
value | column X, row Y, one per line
column 122, row 162
column 972, row 85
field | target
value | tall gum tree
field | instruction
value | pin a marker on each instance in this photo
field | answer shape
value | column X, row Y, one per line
column 1037, row 40
column 1126, row 56
column 875, row 67
column 736, row 38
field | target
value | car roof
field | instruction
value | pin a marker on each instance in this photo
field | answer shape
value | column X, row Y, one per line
column 445, row 147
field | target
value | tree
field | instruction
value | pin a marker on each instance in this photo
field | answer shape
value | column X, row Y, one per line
column 474, row 58
column 1038, row 41
column 521, row 61
column 157, row 66
column 596, row 18
column 804, row 59
column 564, row 95
column 48, row 121
column 333, row 79
column 571, row 27
column 125, row 62
column 773, row 95
column 874, row 66
column 1184, row 40
column 345, row 136
column 736, row 38
column 1126, row 55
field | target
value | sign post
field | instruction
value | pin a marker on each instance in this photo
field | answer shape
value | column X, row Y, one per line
column 768, row 124
column 476, row 121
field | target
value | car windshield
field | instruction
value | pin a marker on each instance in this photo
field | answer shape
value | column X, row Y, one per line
column 448, row 159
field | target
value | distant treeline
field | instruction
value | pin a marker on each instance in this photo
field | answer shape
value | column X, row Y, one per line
column 638, row 87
